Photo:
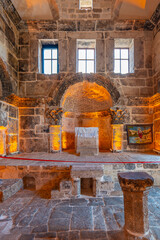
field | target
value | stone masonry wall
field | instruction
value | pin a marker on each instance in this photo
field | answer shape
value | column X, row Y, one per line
column 33, row 133
column 132, row 87
column 9, row 118
column 70, row 10
column 136, row 84
column 9, row 49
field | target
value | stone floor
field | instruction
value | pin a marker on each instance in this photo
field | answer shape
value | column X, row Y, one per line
column 27, row 216
column 71, row 159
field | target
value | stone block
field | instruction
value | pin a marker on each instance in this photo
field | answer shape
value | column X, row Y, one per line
column 3, row 118
column 24, row 52
column 66, row 25
column 72, row 55
column 139, row 51
column 86, row 25
column 12, row 60
column 87, row 172
column 34, row 54
column 13, row 126
column 100, row 56
column 104, row 25
column 63, row 55
column 40, row 88
column 26, row 111
column 23, row 65
column 24, row 38
column 27, row 77
column 8, row 187
column 13, row 112
column 29, row 122
column 10, row 34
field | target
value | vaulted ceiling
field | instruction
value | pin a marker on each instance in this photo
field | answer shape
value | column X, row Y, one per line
column 48, row 9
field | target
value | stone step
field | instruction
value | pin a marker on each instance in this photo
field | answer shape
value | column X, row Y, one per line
column 8, row 187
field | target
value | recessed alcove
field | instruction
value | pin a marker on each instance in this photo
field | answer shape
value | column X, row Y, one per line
column 87, row 186
column 86, row 104
column 29, row 183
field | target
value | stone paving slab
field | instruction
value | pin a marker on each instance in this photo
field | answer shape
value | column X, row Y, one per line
column 82, row 219
column 66, row 157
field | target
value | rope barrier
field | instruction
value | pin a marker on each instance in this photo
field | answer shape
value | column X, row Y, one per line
column 76, row 161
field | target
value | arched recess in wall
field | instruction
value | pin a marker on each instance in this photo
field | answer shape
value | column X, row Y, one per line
column 86, row 104
column 73, row 78
column 6, row 85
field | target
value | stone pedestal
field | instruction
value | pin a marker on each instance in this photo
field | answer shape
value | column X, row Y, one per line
column 55, row 138
column 135, row 187
column 117, row 137
column 87, row 140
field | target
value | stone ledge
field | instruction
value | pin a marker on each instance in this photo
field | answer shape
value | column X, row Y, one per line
column 8, row 187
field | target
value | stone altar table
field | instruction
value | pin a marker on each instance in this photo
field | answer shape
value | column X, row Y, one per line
column 87, row 140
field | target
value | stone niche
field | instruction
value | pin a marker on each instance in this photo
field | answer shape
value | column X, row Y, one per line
column 86, row 104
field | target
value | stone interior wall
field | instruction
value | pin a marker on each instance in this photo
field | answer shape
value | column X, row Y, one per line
column 70, row 10
column 156, row 81
column 45, row 178
column 21, row 41
column 33, row 133
column 9, row 118
column 9, row 50
column 48, row 178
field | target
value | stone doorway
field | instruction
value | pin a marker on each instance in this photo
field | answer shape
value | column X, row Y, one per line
column 86, row 104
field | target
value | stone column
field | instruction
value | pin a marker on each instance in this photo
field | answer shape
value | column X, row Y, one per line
column 135, row 187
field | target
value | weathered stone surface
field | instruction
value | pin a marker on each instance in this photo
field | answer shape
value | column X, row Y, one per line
column 3, row 118
column 135, row 181
column 29, row 122
column 86, row 25
column 82, row 218
column 104, row 25
column 24, row 38
column 10, row 34
column 23, row 66
column 135, row 187
column 66, row 25
column 155, row 17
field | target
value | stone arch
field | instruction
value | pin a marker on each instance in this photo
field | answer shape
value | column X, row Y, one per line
column 86, row 104
column 73, row 78
column 6, row 84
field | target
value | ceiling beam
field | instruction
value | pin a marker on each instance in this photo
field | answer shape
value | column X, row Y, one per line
column 54, row 9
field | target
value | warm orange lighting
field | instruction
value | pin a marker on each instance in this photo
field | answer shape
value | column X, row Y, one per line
column 86, row 97
column 55, row 138
column 32, row 3
column 157, row 141
column 138, row 3
column 13, row 143
column 117, row 137
column 2, row 140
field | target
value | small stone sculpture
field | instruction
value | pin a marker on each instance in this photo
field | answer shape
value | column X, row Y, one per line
column 55, row 115
column 117, row 116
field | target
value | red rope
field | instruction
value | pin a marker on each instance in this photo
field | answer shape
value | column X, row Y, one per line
column 72, row 161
